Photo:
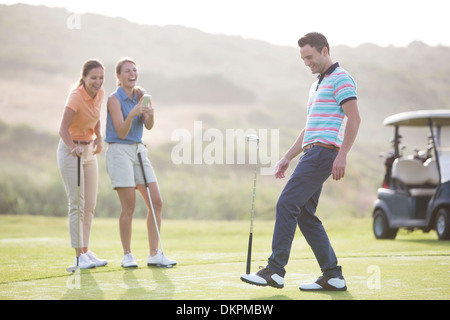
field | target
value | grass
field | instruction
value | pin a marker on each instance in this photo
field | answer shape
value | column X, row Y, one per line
column 211, row 257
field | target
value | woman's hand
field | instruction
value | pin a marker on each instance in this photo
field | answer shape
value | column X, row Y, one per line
column 98, row 146
column 138, row 109
column 77, row 151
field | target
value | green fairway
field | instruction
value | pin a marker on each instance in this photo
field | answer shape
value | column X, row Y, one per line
column 211, row 257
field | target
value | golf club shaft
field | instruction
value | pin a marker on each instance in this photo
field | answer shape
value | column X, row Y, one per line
column 78, row 207
column 150, row 200
column 250, row 237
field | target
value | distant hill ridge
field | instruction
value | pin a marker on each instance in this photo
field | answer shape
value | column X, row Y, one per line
column 187, row 64
column 184, row 66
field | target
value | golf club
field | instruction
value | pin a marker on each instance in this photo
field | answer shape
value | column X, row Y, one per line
column 252, row 137
column 153, row 210
column 74, row 268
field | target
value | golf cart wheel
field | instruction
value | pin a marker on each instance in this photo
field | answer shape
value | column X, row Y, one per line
column 381, row 227
column 443, row 224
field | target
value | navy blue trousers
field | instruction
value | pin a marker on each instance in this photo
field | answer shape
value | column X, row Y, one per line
column 297, row 206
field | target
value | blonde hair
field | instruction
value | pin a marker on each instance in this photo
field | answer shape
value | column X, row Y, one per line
column 119, row 65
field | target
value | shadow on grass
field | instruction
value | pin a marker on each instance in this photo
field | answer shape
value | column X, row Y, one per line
column 346, row 295
column 138, row 289
column 275, row 297
column 81, row 285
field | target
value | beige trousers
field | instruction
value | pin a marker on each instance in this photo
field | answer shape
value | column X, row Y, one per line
column 67, row 165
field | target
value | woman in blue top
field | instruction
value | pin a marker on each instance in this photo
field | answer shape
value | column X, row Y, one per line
column 126, row 119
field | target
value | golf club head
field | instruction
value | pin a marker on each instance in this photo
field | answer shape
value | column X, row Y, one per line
column 72, row 269
column 252, row 137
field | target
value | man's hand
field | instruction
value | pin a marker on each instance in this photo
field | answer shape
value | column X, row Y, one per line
column 281, row 168
column 339, row 165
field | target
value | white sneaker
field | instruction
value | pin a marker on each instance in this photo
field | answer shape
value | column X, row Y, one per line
column 325, row 284
column 159, row 259
column 84, row 262
column 93, row 257
column 128, row 261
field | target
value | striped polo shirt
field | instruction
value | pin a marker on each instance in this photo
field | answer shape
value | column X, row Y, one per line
column 325, row 116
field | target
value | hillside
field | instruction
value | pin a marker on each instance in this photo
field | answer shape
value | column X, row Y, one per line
column 226, row 82
column 182, row 66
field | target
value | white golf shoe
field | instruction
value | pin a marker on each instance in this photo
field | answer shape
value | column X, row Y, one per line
column 264, row 277
column 159, row 259
column 84, row 262
column 93, row 257
column 128, row 261
column 325, row 284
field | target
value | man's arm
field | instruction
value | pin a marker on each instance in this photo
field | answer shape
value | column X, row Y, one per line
column 293, row 151
column 351, row 130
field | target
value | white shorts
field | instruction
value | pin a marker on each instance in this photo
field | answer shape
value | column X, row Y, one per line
column 123, row 167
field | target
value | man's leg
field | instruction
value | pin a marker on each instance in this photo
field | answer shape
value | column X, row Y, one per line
column 305, row 183
column 317, row 238
column 306, row 180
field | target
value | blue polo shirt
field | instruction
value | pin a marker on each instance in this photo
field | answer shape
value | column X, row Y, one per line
column 136, row 130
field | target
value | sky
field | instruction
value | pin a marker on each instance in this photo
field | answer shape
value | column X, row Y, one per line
column 283, row 22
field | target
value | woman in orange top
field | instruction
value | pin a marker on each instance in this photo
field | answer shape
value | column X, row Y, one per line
column 80, row 133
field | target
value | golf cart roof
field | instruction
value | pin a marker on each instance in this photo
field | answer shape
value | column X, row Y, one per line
column 419, row 118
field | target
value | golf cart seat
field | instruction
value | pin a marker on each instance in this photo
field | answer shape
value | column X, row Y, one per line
column 413, row 177
column 433, row 170
column 445, row 167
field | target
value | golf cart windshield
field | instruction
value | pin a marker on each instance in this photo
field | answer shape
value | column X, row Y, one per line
column 438, row 122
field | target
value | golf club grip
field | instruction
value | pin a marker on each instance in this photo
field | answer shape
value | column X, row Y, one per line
column 78, row 170
column 249, row 252
column 142, row 168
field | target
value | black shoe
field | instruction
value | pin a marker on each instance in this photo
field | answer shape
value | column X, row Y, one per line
column 325, row 284
column 264, row 277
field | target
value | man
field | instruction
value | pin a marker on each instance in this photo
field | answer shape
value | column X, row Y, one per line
column 325, row 142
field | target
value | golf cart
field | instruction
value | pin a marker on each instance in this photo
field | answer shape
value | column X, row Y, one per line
column 415, row 193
